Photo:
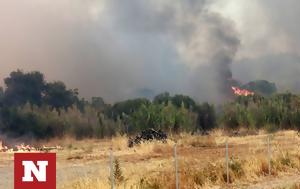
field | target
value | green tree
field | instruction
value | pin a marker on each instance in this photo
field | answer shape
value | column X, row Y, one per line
column 31, row 120
column 98, row 103
column 261, row 87
column 58, row 96
column 158, row 116
column 187, row 101
column 176, row 119
column 162, row 98
column 126, row 107
column 24, row 87
column 206, row 117
column 176, row 100
column 169, row 116
column 146, row 117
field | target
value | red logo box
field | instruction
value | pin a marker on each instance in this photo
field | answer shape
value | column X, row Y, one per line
column 35, row 170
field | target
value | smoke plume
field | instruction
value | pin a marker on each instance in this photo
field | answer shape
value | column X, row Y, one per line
column 120, row 49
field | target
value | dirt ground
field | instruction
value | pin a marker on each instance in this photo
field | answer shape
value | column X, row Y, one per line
column 89, row 159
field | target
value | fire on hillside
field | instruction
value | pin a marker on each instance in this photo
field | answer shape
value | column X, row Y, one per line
column 241, row 92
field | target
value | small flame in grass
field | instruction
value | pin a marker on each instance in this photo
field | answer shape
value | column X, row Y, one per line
column 242, row 92
column 26, row 148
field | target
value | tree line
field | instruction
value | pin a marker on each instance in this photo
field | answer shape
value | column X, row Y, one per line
column 31, row 106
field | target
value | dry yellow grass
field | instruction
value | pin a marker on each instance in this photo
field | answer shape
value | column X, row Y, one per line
column 197, row 141
column 201, row 161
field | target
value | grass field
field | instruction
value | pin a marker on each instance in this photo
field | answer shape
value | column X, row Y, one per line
column 85, row 164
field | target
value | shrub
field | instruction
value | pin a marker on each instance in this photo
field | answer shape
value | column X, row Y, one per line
column 118, row 173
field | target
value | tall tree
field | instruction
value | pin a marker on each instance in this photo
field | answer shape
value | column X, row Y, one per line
column 127, row 107
column 147, row 116
column 98, row 103
column 24, row 87
column 206, row 117
column 58, row 96
column 187, row 101
column 162, row 98
column 177, row 100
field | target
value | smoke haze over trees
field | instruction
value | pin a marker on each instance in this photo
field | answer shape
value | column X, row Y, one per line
column 32, row 106
column 121, row 49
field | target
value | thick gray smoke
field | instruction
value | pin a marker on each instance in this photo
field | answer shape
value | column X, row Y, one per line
column 270, row 40
column 202, row 43
column 115, row 48
column 120, row 49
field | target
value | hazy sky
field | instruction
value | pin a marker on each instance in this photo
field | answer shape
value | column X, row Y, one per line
column 119, row 49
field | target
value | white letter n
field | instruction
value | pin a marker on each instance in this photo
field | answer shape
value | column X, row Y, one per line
column 29, row 167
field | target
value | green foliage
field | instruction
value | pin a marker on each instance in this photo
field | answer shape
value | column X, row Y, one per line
column 176, row 100
column 45, row 122
column 126, row 107
column 31, row 87
column 31, row 106
column 280, row 111
column 157, row 116
column 24, row 87
column 261, row 87
column 98, row 103
column 57, row 96
column 89, row 123
column 187, row 101
column 162, row 98
column 230, row 118
column 176, row 119
column 206, row 116
column 34, row 121
column 147, row 116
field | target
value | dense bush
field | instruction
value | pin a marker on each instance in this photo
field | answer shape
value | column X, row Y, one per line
column 31, row 121
column 45, row 122
column 31, row 106
column 280, row 111
column 176, row 100
column 158, row 116
column 126, row 107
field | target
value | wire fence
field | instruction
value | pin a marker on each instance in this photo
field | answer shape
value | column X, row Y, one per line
column 266, row 146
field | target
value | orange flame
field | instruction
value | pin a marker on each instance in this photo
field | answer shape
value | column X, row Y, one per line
column 242, row 92
column 26, row 148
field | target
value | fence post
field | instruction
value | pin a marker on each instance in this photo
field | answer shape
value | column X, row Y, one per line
column 269, row 154
column 112, row 179
column 227, row 159
column 176, row 166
